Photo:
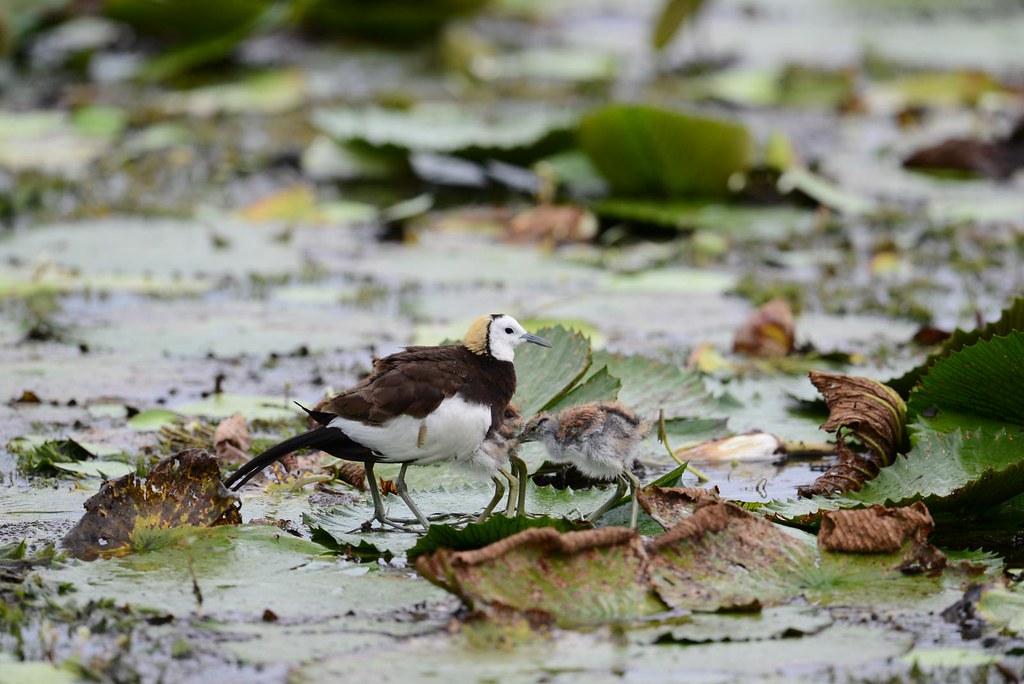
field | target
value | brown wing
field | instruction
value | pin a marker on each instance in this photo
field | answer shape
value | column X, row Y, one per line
column 412, row 382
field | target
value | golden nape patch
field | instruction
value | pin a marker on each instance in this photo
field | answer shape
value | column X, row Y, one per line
column 476, row 336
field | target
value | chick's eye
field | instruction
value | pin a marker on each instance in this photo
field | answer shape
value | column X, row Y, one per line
column 509, row 331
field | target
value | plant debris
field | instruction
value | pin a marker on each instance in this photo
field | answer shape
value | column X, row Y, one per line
column 670, row 505
column 231, row 440
column 181, row 490
column 872, row 414
column 769, row 332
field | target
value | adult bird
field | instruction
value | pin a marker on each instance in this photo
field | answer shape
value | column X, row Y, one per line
column 600, row 439
column 418, row 406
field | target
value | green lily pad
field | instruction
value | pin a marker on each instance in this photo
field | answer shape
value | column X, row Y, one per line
column 252, row 407
column 545, row 375
column 1003, row 609
column 739, row 222
column 152, row 419
column 37, row 673
column 653, row 152
column 478, row 535
column 968, row 455
column 241, row 570
column 649, row 386
column 981, row 380
column 107, row 470
column 512, row 133
column 601, row 386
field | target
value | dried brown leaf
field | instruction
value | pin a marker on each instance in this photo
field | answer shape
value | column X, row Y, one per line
column 885, row 530
column 874, row 530
column 181, row 490
column 769, row 332
column 871, row 412
column 558, row 223
column 351, row 473
column 723, row 556
column 585, row 577
column 669, row 505
column 387, row 487
column 998, row 159
column 231, row 439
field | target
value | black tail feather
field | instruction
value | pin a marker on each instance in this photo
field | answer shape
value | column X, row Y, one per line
column 315, row 438
column 320, row 417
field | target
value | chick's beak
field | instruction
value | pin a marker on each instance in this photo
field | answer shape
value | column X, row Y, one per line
column 527, row 337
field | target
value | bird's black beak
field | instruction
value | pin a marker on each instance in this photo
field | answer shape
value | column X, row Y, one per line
column 527, row 337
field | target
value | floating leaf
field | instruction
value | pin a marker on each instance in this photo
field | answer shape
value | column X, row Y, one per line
column 152, row 419
column 982, row 380
column 43, row 457
column 968, row 456
column 252, row 407
column 649, row 386
column 104, row 469
column 181, row 490
column 359, row 549
column 580, row 578
column 513, row 133
column 824, row 192
column 647, row 151
column 545, row 375
column 601, row 386
column 1012, row 319
column 477, row 535
column 719, row 557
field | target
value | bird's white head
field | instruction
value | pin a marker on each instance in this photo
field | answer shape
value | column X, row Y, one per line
column 498, row 336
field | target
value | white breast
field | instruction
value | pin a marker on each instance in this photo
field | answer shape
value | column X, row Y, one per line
column 453, row 431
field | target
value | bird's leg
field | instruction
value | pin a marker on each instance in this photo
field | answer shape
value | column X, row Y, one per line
column 620, row 489
column 634, row 487
column 513, row 490
column 522, row 474
column 378, row 503
column 499, row 491
column 403, row 492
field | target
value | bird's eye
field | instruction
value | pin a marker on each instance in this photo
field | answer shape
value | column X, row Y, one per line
column 509, row 331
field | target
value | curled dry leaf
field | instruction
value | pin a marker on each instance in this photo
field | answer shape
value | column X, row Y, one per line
column 387, row 487
column 769, row 332
column 580, row 578
column 885, row 530
column 565, row 223
column 669, row 505
column 231, row 440
column 351, row 473
column 723, row 557
column 867, row 410
column 182, row 490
